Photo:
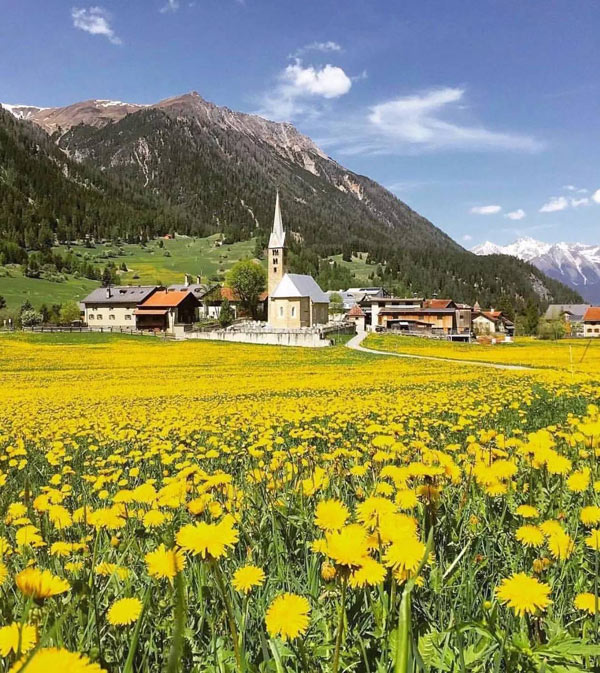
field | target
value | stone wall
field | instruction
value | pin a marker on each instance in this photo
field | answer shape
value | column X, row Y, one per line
column 275, row 338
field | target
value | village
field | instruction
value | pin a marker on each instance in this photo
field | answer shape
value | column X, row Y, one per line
column 295, row 311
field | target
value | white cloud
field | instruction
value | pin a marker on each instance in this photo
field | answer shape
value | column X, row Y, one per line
column 573, row 188
column 171, row 6
column 485, row 210
column 298, row 83
column 329, row 82
column 517, row 214
column 467, row 237
column 325, row 47
column 596, row 196
column 555, row 204
column 96, row 21
column 421, row 122
column 584, row 201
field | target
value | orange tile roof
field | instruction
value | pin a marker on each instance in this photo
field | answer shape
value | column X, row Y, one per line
column 230, row 295
column 356, row 311
column 163, row 298
column 437, row 303
column 593, row 313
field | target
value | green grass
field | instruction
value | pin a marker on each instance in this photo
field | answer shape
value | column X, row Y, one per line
column 17, row 288
column 196, row 256
column 358, row 267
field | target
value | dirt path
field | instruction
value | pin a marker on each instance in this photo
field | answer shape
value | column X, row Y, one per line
column 355, row 342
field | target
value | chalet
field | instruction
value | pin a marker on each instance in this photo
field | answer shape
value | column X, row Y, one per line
column 198, row 289
column 569, row 314
column 114, row 306
column 591, row 322
column 492, row 322
column 167, row 311
column 419, row 315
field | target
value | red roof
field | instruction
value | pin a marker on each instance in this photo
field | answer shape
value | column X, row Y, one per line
column 230, row 295
column 592, row 314
column 437, row 303
column 356, row 312
column 162, row 299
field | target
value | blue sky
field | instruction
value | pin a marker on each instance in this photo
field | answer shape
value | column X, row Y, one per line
column 482, row 115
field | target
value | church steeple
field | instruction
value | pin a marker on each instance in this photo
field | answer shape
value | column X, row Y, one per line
column 277, row 238
column 277, row 250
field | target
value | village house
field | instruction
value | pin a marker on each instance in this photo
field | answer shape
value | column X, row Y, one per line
column 591, row 322
column 491, row 323
column 418, row 315
column 295, row 300
column 114, row 306
column 569, row 314
column 167, row 311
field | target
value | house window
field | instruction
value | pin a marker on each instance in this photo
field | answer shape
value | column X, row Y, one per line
column 91, row 316
column 293, row 311
column 127, row 317
column 111, row 317
column 99, row 316
column 281, row 311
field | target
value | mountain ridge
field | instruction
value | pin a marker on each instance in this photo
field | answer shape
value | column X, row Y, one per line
column 219, row 170
column 577, row 265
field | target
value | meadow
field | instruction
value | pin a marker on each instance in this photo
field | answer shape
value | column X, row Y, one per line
column 572, row 355
column 216, row 507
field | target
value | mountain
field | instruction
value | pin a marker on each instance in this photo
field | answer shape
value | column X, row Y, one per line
column 574, row 264
column 45, row 195
column 210, row 169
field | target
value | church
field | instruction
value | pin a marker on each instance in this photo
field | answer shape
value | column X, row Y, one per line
column 295, row 300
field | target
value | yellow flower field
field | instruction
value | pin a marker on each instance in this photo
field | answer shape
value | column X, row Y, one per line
column 219, row 507
column 576, row 355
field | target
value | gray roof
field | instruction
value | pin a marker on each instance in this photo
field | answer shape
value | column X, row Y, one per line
column 199, row 289
column 120, row 294
column 554, row 311
column 297, row 285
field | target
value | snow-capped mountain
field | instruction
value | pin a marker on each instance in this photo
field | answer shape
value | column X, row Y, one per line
column 575, row 264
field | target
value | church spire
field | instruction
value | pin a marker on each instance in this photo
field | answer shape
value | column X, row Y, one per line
column 277, row 238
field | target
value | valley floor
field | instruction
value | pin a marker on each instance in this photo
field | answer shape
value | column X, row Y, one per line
column 254, row 494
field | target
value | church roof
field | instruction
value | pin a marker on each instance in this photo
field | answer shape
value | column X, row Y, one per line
column 277, row 237
column 297, row 285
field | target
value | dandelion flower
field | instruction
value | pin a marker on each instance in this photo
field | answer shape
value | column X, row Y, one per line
column 593, row 539
column 524, row 594
column 288, row 616
column 530, row 536
column 163, row 563
column 527, row 512
column 404, row 554
column 561, row 545
column 373, row 510
column 51, row 659
column 124, row 611
column 208, row 540
column 328, row 571
column 247, row 577
column 348, row 546
column 40, row 584
column 3, row 573
column 586, row 602
column 590, row 515
column 13, row 634
column 370, row 573
column 331, row 515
